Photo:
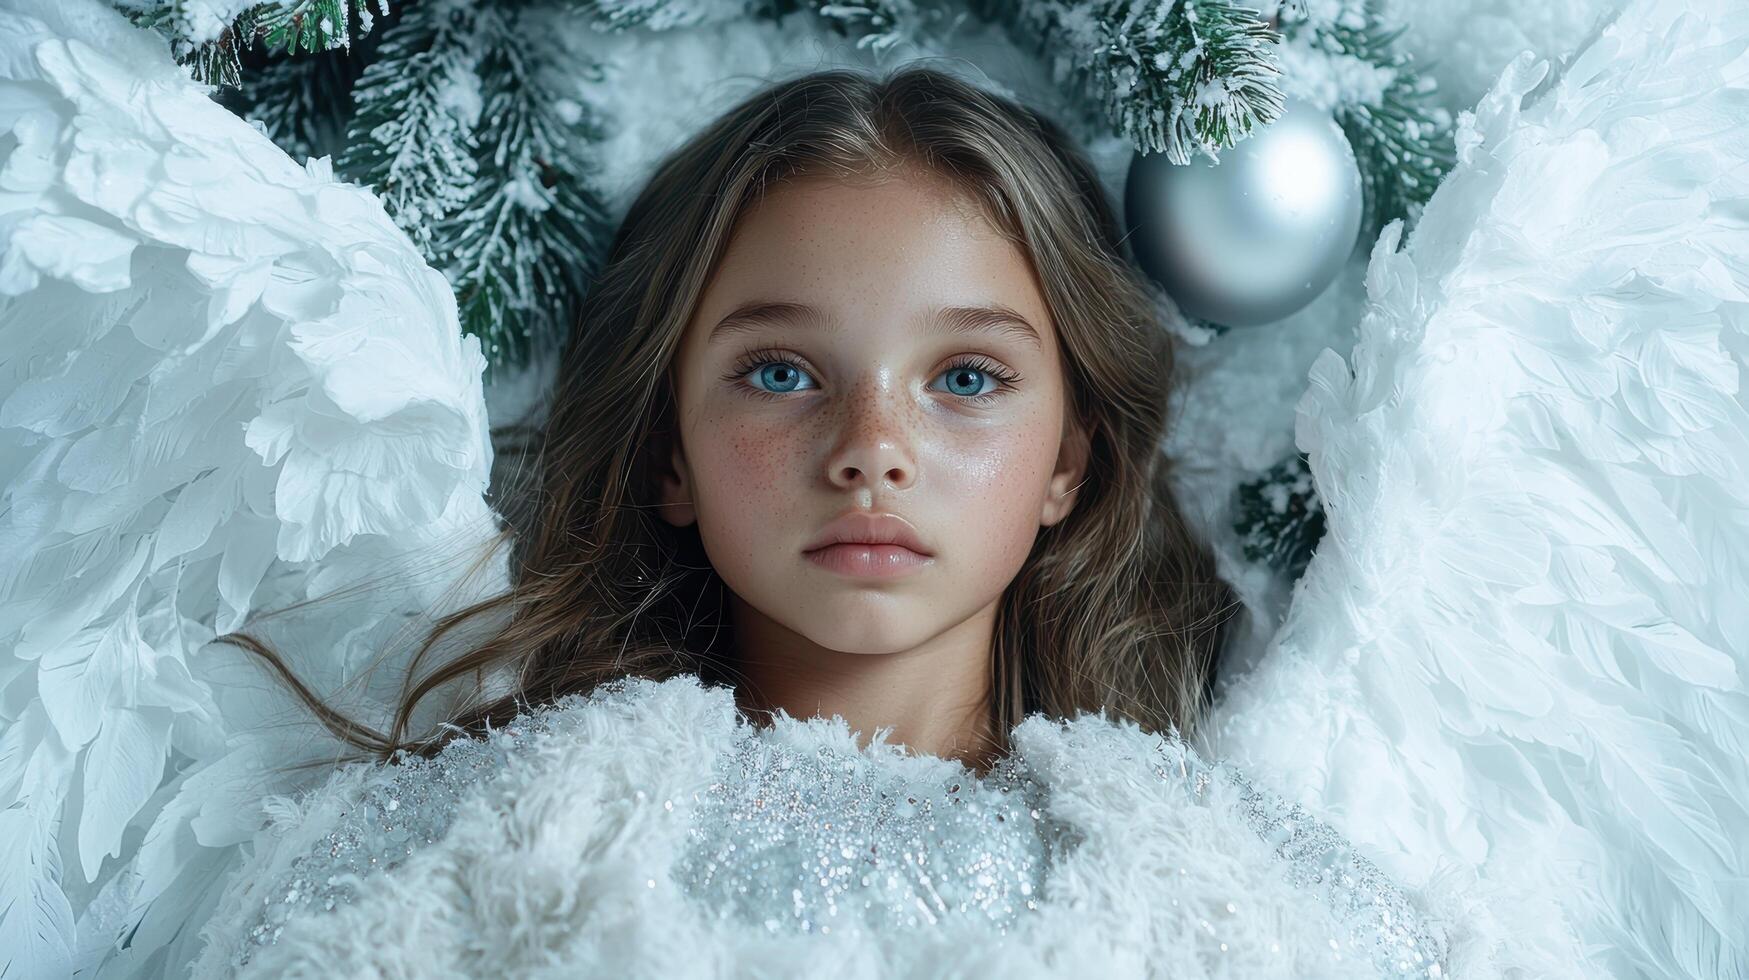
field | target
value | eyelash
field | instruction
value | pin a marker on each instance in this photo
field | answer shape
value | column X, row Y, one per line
column 1005, row 379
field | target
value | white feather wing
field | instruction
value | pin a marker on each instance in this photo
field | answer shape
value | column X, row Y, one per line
column 1516, row 666
column 227, row 383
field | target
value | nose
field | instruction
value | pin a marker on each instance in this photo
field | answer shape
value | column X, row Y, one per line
column 874, row 446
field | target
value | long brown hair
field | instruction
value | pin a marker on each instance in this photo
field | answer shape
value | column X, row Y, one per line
column 1118, row 606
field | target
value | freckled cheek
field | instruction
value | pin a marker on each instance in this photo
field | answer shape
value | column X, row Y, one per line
column 746, row 479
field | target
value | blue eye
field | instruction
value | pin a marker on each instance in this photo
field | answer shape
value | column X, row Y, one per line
column 965, row 380
column 780, row 376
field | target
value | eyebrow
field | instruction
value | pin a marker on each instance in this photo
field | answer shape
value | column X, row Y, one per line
column 993, row 317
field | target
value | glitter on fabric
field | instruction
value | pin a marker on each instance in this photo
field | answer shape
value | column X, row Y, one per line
column 1380, row 918
column 792, row 841
column 788, row 839
column 415, row 806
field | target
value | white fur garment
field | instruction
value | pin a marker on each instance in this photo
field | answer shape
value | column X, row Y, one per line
column 557, row 861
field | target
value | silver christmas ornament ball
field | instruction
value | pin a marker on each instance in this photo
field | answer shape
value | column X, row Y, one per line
column 1256, row 236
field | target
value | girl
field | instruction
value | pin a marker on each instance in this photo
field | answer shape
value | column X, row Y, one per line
column 861, row 421
column 858, row 309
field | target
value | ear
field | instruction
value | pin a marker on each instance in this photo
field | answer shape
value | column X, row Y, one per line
column 1070, row 473
column 676, row 488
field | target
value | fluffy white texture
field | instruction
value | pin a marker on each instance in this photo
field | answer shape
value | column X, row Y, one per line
column 1464, row 44
column 1329, row 80
column 546, row 869
column 227, row 382
column 1535, row 464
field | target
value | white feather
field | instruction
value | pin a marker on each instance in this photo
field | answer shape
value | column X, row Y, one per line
column 1521, row 649
column 220, row 375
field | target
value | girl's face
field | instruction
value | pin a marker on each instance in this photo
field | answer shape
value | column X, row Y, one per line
column 873, row 350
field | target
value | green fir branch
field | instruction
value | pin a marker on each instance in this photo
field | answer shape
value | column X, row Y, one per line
column 519, row 252
column 1279, row 518
column 291, row 27
column 1174, row 76
column 411, row 140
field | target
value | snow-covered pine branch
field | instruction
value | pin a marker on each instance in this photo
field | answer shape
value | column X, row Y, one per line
column 1175, row 76
column 210, row 36
column 519, row 251
column 411, row 137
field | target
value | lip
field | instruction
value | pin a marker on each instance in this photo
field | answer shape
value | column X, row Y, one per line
column 868, row 560
column 869, row 545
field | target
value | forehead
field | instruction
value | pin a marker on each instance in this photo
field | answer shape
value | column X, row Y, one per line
column 900, row 248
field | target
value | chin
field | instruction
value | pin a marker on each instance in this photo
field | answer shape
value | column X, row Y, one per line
column 864, row 630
